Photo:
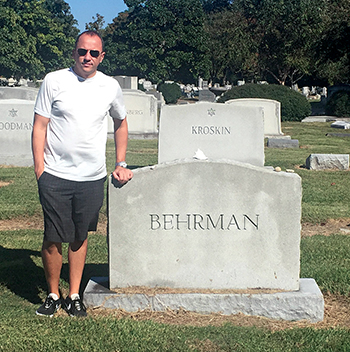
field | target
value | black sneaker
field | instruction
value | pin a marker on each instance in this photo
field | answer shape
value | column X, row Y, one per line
column 49, row 307
column 75, row 308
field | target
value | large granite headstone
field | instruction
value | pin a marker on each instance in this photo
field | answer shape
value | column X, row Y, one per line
column 217, row 130
column 16, row 124
column 271, row 112
column 205, row 224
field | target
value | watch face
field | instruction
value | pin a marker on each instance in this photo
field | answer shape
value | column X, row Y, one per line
column 122, row 164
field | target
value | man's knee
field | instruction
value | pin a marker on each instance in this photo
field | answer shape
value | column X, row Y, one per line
column 75, row 246
column 52, row 247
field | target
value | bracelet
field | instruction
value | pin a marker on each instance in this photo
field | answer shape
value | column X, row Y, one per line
column 121, row 163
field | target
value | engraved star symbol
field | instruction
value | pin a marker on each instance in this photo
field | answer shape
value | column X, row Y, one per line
column 13, row 112
column 211, row 112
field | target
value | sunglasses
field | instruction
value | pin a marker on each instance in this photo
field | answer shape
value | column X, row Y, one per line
column 93, row 53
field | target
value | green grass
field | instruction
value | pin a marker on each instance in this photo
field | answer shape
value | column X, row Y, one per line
column 325, row 193
column 23, row 287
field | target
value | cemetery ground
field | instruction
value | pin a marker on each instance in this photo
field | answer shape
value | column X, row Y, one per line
column 325, row 256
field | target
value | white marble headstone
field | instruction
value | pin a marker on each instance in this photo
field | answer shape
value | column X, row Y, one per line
column 218, row 130
column 16, row 124
column 271, row 111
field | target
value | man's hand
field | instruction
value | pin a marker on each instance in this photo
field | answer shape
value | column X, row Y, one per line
column 122, row 174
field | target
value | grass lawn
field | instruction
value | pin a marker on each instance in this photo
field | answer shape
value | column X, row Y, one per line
column 324, row 258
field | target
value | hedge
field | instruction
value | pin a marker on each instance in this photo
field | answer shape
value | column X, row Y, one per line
column 294, row 106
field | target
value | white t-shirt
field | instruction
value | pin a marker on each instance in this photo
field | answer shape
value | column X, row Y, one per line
column 77, row 131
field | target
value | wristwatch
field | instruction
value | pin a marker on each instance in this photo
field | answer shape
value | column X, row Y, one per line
column 122, row 164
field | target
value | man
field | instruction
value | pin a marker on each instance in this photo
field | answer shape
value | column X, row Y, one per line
column 68, row 143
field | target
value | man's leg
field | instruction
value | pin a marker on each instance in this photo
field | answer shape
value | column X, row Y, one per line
column 76, row 259
column 51, row 253
column 73, row 304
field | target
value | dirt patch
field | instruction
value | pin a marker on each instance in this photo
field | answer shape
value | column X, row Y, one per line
column 4, row 184
column 37, row 223
column 327, row 228
column 22, row 223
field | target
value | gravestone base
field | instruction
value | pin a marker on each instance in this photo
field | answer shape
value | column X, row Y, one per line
column 305, row 304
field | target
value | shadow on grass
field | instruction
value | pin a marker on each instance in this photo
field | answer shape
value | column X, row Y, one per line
column 93, row 270
column 20, row 274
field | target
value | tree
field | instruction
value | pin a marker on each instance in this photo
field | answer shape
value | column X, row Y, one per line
column 158, row 40
column 97, row 24
column 332, row 55
column 210, row 6
column 17, row 48
column 33, row 41
column 287, row 33
column 231, row 48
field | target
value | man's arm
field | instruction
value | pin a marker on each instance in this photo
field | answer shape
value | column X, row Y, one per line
column 38, row 143
column 120, row 173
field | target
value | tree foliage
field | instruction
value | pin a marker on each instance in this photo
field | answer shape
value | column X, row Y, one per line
column 231, row 49
column 222, row 40
column 158, row 40
column 219, row 40
column 36, row 37
column 287, row 33
column 339, row 104
column 97, row 24
column 333, row 52
column 210, row 6
column 171, row 92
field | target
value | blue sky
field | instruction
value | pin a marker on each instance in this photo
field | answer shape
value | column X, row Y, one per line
column 83, row 10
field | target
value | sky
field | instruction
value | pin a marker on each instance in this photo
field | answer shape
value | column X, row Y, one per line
column 83, row 10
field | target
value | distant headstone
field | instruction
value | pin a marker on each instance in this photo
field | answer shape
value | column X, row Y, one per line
column 16, row 124
column 321, row 118
column 207, row 95
column 141, row 113
column 147, row 85
column 25, row 93
column 217, row 130
column 341, row 125
column 205, row 224
column 200, row 83
column 271, row 112
column 127, row 82
column 341, row 135
column 306, row 91
column 282, row 143
column 327, row 161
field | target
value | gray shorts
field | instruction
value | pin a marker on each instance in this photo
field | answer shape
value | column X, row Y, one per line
column 70, row 208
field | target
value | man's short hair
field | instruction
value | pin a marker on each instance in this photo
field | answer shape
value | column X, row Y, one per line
column 91, row 33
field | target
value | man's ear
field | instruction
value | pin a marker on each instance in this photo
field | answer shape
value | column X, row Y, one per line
column 102, row 56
